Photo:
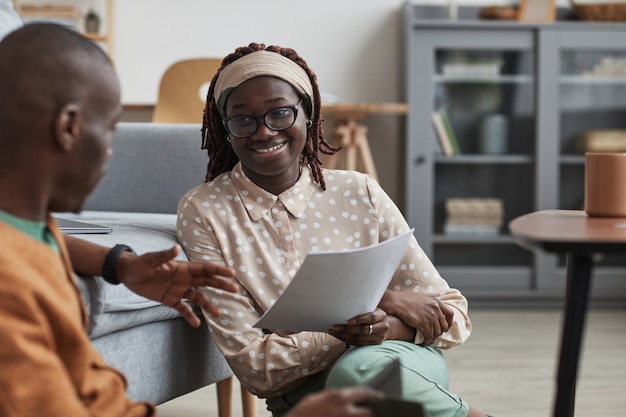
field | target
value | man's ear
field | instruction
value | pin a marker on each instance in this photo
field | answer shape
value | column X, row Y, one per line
column 68, row 125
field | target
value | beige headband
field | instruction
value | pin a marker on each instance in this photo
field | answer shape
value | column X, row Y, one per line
column 256, row 64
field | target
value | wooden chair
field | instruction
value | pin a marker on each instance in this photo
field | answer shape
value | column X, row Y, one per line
column 183, row 89
column 182, row 96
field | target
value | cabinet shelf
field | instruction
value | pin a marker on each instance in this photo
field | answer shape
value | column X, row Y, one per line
column 591, row 80
column 572, row 159
column 549, row 87
column 71, row 15
column 484, row 159
column 487, row 79
column 473, row 240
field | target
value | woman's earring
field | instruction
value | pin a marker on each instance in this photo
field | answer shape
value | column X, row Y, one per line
column 227, row 138
column 309, row 123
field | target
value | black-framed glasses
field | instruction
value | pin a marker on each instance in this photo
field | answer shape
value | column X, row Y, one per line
column 280, row 118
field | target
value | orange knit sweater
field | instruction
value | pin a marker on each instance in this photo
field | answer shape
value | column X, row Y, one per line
column 48, row 366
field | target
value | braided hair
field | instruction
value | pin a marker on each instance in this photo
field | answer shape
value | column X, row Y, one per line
column 222, row 158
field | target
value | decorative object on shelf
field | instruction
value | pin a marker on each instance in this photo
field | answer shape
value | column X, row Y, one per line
column 605, row 194
column 606, row 140
column 609, row 66
column 494, row 132
column 498, row 13
column 473, row 216
column 601, row 12
column 92, row 22
column 445, row 133
column 539, row 11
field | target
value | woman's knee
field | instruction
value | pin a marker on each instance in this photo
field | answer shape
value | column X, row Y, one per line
column 360, row 364
column 356, row 366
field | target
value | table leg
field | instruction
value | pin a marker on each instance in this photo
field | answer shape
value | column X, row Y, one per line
column 365, row 152
column 579, row 268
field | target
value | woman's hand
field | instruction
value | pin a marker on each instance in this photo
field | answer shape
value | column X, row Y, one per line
column 425, row 313
column 366, row 329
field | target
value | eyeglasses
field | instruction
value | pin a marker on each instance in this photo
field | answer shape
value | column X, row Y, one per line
column 280, row 118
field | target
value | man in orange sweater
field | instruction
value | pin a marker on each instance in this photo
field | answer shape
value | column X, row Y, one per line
column 59, row 105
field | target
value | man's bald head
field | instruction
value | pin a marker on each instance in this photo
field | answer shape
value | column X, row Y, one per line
column 44, row 66
column 59, row 104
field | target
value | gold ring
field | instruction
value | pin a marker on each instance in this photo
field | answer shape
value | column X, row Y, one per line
column 371, row 329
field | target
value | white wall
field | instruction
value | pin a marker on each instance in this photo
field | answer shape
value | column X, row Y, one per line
column 352, row 45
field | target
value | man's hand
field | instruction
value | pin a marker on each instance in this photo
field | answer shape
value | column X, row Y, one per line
column 425, row 313
column 344, row 402
column 156, row 275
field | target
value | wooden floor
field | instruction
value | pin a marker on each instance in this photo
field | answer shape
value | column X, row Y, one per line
column 507, row 367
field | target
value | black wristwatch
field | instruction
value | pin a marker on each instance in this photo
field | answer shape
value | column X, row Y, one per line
column 108, row 269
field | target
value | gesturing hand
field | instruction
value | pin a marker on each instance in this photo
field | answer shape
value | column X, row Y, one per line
column 156, row 275
column 425, row 313
column 367, row 329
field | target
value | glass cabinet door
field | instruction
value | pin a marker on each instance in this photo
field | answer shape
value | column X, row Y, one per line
column 488, row 98
column 477, row 89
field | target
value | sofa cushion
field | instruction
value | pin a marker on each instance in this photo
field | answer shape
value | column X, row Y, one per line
column 115, row 307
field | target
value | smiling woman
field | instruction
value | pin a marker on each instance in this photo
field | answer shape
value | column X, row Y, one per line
column 266, row 204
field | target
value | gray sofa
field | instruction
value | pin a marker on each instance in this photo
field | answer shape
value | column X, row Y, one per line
column 161, row 355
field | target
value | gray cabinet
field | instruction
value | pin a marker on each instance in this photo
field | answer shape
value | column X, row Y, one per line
column 545, row 85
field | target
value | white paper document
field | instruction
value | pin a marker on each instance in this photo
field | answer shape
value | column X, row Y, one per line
column 332, row 287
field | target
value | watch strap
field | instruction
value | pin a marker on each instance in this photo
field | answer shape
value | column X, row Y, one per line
column 110, row 262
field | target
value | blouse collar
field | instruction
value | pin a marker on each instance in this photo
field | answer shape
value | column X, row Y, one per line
column 258, row 202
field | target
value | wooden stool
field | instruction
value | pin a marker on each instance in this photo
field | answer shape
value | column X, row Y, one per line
column 355, row 154
column 351, row 134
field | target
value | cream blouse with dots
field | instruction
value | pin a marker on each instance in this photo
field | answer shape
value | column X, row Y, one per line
column 265, row 237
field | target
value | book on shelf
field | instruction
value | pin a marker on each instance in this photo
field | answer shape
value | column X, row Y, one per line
column 473, row 68
column 450, row 131
column 442, row 134
column 473, row 216
column 474, row 206
column 445, row 133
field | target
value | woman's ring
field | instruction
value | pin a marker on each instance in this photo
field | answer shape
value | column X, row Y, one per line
column 371, row 329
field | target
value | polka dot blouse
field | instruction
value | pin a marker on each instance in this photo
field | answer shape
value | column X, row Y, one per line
column 265, row 237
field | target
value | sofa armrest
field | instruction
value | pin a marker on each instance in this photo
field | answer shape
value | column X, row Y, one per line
column 115, row 307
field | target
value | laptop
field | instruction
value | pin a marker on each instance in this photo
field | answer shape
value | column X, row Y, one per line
column 75, row 227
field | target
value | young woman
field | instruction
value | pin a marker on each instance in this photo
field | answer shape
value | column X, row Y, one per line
column 267, row 203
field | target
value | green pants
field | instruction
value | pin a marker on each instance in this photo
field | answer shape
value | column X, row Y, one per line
column 424, row 377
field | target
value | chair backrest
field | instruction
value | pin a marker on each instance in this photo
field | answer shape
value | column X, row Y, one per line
column 183, row 89
column 152, row 166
